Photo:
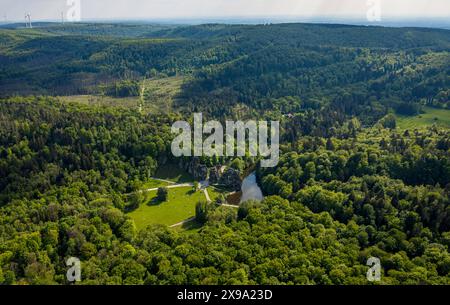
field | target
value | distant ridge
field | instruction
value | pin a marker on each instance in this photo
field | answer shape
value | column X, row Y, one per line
column 443, row 23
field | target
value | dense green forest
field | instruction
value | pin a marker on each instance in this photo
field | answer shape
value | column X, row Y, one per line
column 365, row 70
column 350, row 183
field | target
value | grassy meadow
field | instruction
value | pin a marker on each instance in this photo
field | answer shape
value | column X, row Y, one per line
column 179, row 207
column 440, row 117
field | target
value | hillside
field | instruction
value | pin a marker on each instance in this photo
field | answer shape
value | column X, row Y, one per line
column 87, row 168
column 366, row 70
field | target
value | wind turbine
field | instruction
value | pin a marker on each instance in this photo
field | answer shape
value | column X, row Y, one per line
column 28, row 21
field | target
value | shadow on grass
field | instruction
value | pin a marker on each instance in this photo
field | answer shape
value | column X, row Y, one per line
column 191, row 225
column 155, row 202
column 174, row 173
column 191, row 192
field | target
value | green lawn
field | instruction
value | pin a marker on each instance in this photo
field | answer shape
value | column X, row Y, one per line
column 440, row 117
column 180, row 206
column 153, row 183
column 173, row 173
column 214, row 193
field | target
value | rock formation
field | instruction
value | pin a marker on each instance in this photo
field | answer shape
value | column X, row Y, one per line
column 214, row 175
column 231, row 179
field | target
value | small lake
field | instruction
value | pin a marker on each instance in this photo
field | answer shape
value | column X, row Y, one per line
column 251, row 189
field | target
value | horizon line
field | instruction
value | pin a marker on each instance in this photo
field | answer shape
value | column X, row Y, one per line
column 332, row 17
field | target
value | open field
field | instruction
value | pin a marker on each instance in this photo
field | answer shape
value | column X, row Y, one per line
column 154, row 183
column 180, row 206
column 440, row 117
column 160, row 93
column 158, row 96
column 98, row 100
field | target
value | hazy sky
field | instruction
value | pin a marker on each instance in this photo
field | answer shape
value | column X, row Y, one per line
column 148, row 9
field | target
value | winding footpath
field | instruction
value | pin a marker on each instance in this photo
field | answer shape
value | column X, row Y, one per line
column 182, row 223
column 229, row 205
column 207, row 195
column 170, row 187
